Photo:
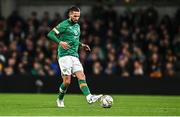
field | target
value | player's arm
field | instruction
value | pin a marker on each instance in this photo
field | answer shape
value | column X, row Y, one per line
column 85, row 46
column 53, row 36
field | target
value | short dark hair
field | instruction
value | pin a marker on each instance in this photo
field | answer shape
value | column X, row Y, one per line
column 74, row 8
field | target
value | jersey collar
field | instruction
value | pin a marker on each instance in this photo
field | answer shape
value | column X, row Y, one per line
column 69, row 20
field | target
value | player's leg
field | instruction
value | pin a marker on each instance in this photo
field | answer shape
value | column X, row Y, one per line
column 62, row 90
column 82, row 83
column 65, row 64
column 78, row 71
column 64, row 86
column 85, row 89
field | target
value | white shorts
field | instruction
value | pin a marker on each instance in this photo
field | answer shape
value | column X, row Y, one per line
column 69, row 65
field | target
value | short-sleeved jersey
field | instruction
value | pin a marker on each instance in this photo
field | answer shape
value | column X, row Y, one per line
column 70, row 33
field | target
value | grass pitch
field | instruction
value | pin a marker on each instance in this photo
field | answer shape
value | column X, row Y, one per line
column 76, row 105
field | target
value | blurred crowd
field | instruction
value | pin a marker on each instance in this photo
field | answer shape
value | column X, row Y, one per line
column 132, row 43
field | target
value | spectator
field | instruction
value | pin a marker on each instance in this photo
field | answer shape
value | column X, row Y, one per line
column 97, row 68
column 138, row 68
column 155, row 70
column 10, row 69
column 111, row 63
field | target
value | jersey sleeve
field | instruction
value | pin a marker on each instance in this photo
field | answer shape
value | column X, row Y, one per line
column 56, row 31
column 51, row 35
column 61, row 27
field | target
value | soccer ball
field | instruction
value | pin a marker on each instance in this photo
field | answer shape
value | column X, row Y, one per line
column 106, row 101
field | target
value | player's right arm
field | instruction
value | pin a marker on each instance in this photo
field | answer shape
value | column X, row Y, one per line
column 56, row 31
column 53, row 35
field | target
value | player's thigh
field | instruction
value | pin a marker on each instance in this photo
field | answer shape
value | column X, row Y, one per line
column 65, row 64
column 77, row 66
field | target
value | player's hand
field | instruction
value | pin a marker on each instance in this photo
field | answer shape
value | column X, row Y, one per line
column 86, row 47
column 64, row 45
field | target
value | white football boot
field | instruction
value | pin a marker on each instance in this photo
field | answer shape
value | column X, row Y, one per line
column 93, row 98
column 60, row 103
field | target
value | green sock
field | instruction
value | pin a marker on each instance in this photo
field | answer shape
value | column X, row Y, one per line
column 62, row 91
column 84, row 89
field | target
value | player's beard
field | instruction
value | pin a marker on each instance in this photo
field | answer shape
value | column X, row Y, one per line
column 74, row 21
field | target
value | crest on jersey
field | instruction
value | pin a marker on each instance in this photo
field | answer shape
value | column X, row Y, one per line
column 76, row 32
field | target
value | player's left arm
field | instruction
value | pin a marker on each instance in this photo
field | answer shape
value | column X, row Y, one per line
column 85, row 46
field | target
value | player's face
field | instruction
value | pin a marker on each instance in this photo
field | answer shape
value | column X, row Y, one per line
column 75, row 16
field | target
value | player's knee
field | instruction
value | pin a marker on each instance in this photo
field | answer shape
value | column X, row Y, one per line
column 67, row 82
column 82, row 76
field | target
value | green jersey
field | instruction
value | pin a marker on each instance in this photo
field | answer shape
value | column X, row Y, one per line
column 69, row 32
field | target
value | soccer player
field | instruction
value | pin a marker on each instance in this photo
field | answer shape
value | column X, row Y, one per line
column 66, row 34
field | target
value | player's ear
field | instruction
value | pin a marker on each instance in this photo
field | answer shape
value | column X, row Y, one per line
column 70, row 13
